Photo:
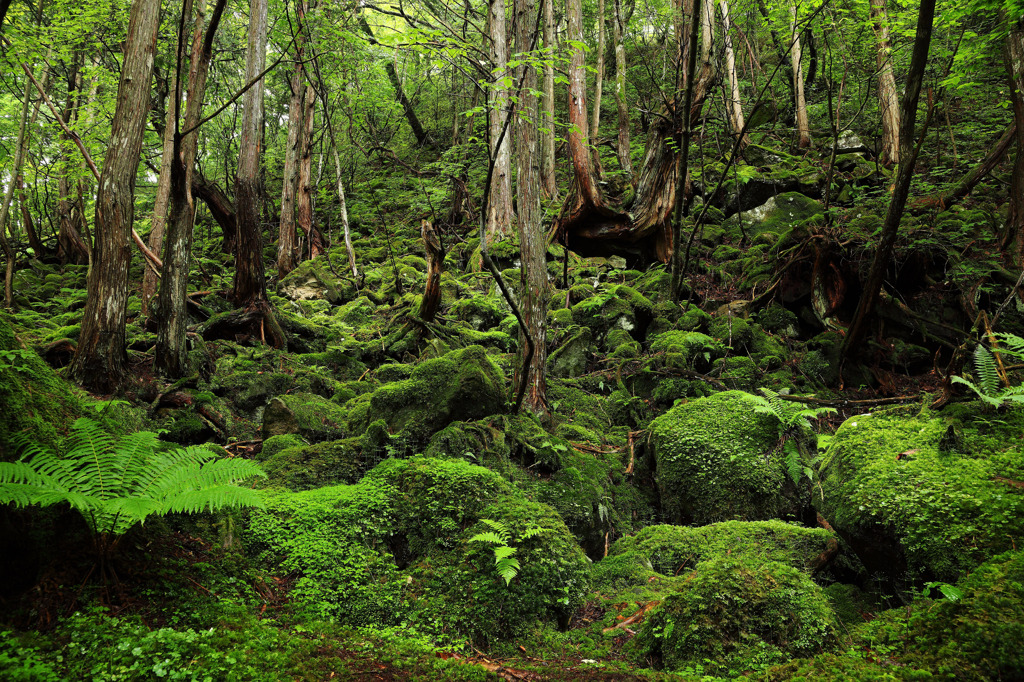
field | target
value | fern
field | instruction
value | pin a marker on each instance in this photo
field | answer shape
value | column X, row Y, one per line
column 505, row 562
column 117, row 483
column 987, row 375
column 794, row 424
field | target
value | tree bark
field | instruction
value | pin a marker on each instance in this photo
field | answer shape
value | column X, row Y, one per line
column 499, row 206
column 26, row 220
column 1014, row 57
column 435, row 267
column 533, row 277
column 250, row 286
column 172, row 320
column 410, row 113
column 901, row 190
column 163, row 196
column 888, row 100
column 220, row 206
column 586, row 184
column 100, row 362
column 5, row 244
column 735, row 108
column 595, row 121
column 547, row 167
column 343, row 209
column 623, row 149
column 803, row 126
column 304, row 197
column 287, row 237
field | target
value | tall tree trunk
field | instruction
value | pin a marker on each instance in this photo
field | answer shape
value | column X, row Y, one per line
column 71, row 247
column 100, row 362
column 287, row 237
column 343, row 208
column 547, row 166
column 431, row 300
column 172, row 320
column 707, row 32
column 623, row 149
column 163, row 196
column 735, row 108
column 410, row 113
column 888, row 100
column 26, row 220
column 304, row 198
column 595, row 121
column 250, row 286
column 499, row 206
column 586, row 183
column 534, row 287
column 1014, row 57
column 901, row 189
column 803, row 126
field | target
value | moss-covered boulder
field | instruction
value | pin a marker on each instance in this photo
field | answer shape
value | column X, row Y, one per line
column 932, row 494
column 732, row 615
column 670, row 550
column 312, row 280
column 716, row 460
column 462, row 385
column 685, row 349
column 34, row 402
column 399, row 546
column 572, row 355
column 302, row 467
column 311, row 416
column 618, row 306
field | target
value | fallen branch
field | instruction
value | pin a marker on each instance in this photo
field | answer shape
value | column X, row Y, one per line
column 635, row 618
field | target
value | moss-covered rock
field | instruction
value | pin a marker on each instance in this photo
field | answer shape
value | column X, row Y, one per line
column 687, row 349
column 34, row 402
column 935, row 494
column 571, row 357
column 303, row 467
column 311, row 416
column 463, row 385
column 479, row 312
column 669, row 550
column 716, row 460
column 732, row 615
column 398, row 546
column 276, row 444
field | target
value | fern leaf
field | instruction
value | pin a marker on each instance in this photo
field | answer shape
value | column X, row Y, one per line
column 488, row 536
column 502, row 553
column 985, row 369
column 508, row 569
column 1012, row 344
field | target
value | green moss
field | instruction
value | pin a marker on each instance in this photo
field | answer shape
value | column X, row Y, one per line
column 34, row 402
column 311, row 416
column 732, row 615
column 462, row 385
column 889, row 481
column 571, row 357
column 687, row 349
column 479, row 312
column 302, row 467
column 778, row 320
column 669, row 550
column 738, row 372
column 716, row 461
column 276, row 444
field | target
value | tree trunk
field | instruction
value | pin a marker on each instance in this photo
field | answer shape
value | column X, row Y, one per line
column 304, row 198
column 250, row 286
column 533, row 278
column 1014, row 57
column 163, row 196
column 547, row 167
column 343, row 209
column 431, row 300
column 735, row 108
column 595, row 121
column 172, row 321
column 71, row 247
column 623, row 149
column 221, row 207
column 499, row 206
column 803, row 126
column 901, row 189
column 888, row 100
column 27, row 222
column 100, row 362
column 707, row 32
column 586, row 184
column 287, row 237
column 410, row 114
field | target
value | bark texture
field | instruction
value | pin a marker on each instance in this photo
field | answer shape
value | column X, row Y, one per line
column 1015, row 72
column 533, row 278
column 623, row 149
column 435, row 267
column 499, row 206
column 803, row 125
column 888, row 100
column 101, row 363
column 547, row 166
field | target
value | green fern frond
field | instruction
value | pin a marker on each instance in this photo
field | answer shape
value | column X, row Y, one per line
column 508, row 569
column 487, row 536
column 1012, row 343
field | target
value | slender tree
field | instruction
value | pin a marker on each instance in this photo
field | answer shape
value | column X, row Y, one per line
column 499, row 206
column 547, row 166
column 534, row 286
column 1014, row 58
column 623, row 148
column 888, row 100
column 171, row 350
column 803, row 125
column 100, row 362
column 595, row 120
column 735, row 107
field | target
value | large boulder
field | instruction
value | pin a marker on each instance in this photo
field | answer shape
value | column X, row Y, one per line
column 462, row 385
column 932, row 494
column 311, row 416
column 716, row 459
column 732, row 615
